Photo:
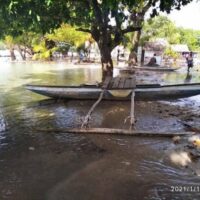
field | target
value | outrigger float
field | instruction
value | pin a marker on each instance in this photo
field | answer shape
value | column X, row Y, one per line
column 119, row 88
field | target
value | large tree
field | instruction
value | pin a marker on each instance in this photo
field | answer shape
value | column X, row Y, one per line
column 160, row 27
column 190, row 37
column 139, row 11
column 163, row 27
column 106, row 20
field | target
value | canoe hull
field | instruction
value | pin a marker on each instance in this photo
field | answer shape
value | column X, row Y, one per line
column 141, row 94
column 157, row 68
column 148, row 68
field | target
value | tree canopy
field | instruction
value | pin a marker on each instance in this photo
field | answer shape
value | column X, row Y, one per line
column 160, row 27
column 106, row 20
column 163, row 27
column 90, row 15
column 69, row 34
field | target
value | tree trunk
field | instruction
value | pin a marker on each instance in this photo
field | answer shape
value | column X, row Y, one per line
column 135, row 43
column 107, row 63
column 135, row 40
column 105, row 44
column 50, row 44
column 12, row 54
column 24, row 53
column 21, row 53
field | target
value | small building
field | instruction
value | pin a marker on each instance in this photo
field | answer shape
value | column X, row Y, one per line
column 154, row 48
column 181, row 49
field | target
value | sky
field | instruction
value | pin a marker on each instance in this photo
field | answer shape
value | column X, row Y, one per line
column 188, row 16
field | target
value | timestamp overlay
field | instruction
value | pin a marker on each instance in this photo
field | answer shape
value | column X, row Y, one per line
column 185, row 188
column 177, row 192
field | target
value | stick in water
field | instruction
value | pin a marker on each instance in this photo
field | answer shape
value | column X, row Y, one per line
column 88, row 116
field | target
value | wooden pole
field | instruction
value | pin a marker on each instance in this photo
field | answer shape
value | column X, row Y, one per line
column 88, row 116
column 105, row 85
column 132, row 115
column 118, row 132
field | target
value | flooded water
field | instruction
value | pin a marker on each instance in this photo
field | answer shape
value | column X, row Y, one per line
column 37, row 165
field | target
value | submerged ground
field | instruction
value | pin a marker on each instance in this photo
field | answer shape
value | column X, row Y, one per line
column 35, row 165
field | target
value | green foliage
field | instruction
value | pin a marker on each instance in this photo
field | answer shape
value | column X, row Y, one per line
column 190, row 37
column 44, row 16
column 62, row 48
column 2, row 45
column 27, row 39
column 170, row 53
column 160, row 27
column 42, row 52
column 32, row 15
column 91, row 16
column 69, row 35
column 9, row 41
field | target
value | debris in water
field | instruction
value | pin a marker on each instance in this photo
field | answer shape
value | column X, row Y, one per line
column 176, row 139
column 181, row 158
column 31, row 148
column 126, row 163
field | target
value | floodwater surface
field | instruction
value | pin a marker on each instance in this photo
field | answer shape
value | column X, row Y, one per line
column 40, row 165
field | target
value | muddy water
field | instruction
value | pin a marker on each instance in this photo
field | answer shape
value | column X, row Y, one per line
column 35, row 165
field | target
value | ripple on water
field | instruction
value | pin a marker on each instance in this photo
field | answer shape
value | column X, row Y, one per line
column 2, row 123
column 2, row 130
column 164, row 180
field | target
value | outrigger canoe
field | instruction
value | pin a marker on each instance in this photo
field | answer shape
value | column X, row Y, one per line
column 147, row 68
column 157, row 68
column 142, row 92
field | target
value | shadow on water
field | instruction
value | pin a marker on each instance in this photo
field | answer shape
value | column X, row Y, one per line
column 188, row 77
column 39, row 165
column 183, row 76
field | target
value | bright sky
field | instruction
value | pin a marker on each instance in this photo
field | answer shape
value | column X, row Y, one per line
column 188, row 16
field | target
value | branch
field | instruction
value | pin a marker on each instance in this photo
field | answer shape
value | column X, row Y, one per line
column 131, row 29
column 148, row 5
column 88, row 116
column 84, row 30
column 97, row 12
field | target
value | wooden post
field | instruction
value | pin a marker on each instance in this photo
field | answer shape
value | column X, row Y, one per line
column 88, row 116
column 105, row 85
column 132, row 115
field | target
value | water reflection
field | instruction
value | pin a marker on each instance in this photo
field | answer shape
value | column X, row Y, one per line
column 16, row 74
column 2, row 123
column 182, row 76
column 188, row 77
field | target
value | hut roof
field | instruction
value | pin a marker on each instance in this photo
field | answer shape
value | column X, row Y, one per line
column 180, row 48
column 158, row 45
